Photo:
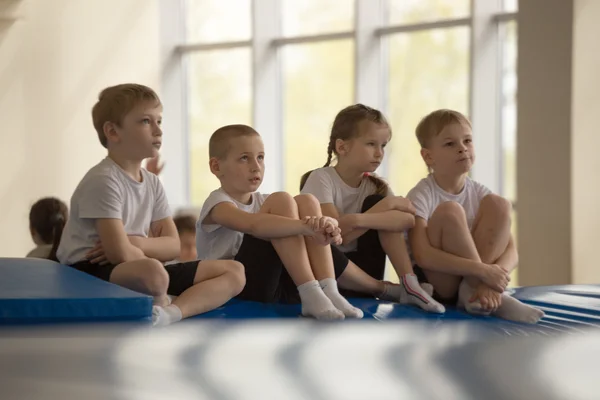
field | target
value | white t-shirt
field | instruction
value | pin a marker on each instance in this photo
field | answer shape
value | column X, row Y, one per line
column 427, row 195
column 329, row 188
column 107, row 191
column 216, row 242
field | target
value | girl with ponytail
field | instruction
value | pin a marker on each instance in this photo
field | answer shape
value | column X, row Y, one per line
column 372, row 219
column 47, row 218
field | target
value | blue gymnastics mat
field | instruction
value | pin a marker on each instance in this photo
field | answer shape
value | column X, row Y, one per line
column 42, row 291
column 36, row 291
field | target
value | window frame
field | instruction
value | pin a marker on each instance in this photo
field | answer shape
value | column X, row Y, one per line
column 370, row 34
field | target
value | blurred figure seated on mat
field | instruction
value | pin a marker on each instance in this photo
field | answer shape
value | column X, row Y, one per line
column 186, row 228
column 461, row 241
column 120, row 227
column 282, row 241
column 47, row 218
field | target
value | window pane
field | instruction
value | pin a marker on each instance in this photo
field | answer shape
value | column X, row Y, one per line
column 508, row 118
column 219, row 94
column 310, row 17
column 428, row 70
column 415, row 11
column 218, row 20
column 510, row 5
column 318, row 82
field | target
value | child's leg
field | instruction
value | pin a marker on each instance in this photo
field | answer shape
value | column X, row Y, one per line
column 321, row 259
column 491, row 232
column 293, row 254
column 146, row 276
column 393, row 244
column 447, row 230
column 200, row 286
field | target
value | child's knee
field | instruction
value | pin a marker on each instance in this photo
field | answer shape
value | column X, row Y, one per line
column 307, row 201
column 497, row 205
column 450, row 212
column 370, row 201
column 155, row 278
column 282, row 203
column 237, row 276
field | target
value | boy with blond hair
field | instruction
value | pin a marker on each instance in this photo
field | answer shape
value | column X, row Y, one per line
column 120, row 227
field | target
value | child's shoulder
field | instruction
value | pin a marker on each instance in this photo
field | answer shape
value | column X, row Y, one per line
column 323, row 172
column 477, row 186
column 101, row 174
column 425, row 185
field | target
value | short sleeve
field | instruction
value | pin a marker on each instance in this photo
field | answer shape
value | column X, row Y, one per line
column 320, row 185
column 161, row 208
column 101, row 197
column 216, row 197
column 420, row 197
column 481, row 191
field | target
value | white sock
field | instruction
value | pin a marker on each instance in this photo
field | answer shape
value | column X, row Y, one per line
column 316, row 304
column 330, row 288
column 162, row 301
column 163, row 316
column 465, row 292
column 428, row 288
column 410, row 292
column 513, row 310
column 510, row 309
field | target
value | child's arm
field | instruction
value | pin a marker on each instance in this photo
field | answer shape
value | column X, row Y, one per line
column 115, row 244
column 382, row 216
column 163, row 245
column 428, row 257
column 262, row 225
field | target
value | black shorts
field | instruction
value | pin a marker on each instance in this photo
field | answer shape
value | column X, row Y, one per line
column 423, row 279
column 181, row 275
column 267, row 280
column 369, row 254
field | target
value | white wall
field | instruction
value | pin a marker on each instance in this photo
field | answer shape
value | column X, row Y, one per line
column 54, row 60
column 557, row 142
column 585, row 182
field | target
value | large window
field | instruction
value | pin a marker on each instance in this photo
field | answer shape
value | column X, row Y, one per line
column 428, row 70
column 288, row 66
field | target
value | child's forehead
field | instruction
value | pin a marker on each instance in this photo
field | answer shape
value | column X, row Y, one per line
column 246, row 143
column 454, row 130
column 374, row 129
column 147, row 108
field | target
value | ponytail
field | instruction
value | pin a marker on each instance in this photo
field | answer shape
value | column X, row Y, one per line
column 47, row 218
column 381, row 186
column 59, row 226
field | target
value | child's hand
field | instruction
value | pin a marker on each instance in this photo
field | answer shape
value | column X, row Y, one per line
column 153, row 165
column 490, row 299
column 405, row 205
column 324, row 230
column 96, row 254
column 495, row 276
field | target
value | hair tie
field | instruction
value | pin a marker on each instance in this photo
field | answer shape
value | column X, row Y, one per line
column 366, row 175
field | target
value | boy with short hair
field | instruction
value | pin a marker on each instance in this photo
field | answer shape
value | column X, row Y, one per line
column 120, row 227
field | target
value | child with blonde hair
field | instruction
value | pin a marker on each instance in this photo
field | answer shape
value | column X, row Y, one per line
column 461, row 240
column 120, row 227
column 372, row 219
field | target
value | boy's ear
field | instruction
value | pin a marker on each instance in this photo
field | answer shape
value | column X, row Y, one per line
column 110, row 131
column 341, row 147
column 214, row 166
column 426, row 154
